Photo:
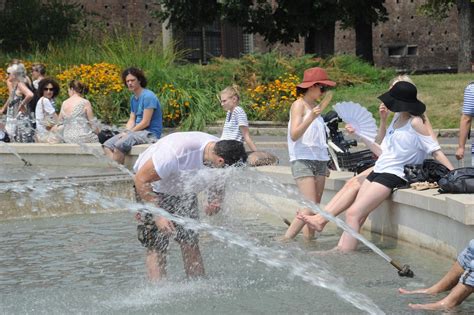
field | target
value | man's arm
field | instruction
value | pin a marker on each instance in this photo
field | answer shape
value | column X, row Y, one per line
column 464, row 128
column 131, row 121
column 147, row 115
column 143, row 179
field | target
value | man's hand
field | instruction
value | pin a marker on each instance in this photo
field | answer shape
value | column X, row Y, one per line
column 213, row 207
column 460, row 153
column 164, row 225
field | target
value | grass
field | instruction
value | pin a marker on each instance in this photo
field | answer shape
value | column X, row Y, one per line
column 442, row 94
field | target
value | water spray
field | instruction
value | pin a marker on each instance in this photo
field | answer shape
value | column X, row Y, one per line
column 26, row 163
column 403, row 271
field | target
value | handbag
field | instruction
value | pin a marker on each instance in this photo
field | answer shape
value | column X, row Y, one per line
column 48, row 119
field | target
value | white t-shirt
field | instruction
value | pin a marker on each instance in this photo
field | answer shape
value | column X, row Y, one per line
column 173, row 156
column 402, row 146
column 48, row 106
column 312, row 144
column 234, row 119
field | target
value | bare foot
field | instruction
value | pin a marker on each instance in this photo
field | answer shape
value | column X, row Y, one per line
column 418, row 291
column 316, row 222
column 430, row 306
column 284, row 239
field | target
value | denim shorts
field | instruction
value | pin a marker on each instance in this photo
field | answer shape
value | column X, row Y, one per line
column 466, row 260
column 125, row 143
column 308, row 168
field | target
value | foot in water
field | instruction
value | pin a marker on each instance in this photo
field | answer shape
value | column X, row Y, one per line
column 316, row 222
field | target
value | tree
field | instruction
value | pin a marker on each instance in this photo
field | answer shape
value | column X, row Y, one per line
column 362, row 15
column 188, row 15
column 439, row 9
column 30, row 23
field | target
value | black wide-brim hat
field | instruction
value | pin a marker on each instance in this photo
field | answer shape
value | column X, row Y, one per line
column 402, row 98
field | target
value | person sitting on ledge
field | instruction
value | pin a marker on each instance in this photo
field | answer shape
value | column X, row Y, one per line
column 459, row 279
column 145, row 122
column 236, row 127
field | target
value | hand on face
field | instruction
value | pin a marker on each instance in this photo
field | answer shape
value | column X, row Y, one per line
column 383, row 111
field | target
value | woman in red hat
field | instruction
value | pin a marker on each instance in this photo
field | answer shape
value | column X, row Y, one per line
column 307, row 142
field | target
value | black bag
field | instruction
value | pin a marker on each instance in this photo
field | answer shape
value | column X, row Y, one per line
column 434, row 170
column 458, row 181
column 430, row 171
column 106, row 134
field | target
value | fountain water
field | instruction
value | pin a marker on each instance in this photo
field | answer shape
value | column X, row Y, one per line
column 62, row 256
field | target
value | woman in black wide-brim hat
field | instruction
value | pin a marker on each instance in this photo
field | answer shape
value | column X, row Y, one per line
column 407, row 141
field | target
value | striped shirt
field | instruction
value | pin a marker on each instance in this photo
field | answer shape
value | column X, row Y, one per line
column 233, row 120
column 468, row 105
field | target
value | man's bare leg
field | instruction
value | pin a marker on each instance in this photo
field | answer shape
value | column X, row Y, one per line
column 118, row 156
column 192, row 259
column 109, row 153
column 156, row 265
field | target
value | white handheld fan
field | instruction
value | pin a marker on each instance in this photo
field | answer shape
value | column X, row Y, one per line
column 359, row 118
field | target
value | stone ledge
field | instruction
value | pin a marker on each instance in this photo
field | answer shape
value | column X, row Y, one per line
column 440, row 222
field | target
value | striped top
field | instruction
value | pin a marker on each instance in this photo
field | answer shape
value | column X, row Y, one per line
column 233, row 120
column 468, row 105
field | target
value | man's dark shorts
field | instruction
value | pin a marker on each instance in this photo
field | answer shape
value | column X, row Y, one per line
column 184, row 206
column 388, row 180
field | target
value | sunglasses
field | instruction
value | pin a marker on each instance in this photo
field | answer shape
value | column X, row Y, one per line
column 48, row 89
column 323, row 88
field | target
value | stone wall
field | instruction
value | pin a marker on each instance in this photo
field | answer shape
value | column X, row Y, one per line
column 409, row 41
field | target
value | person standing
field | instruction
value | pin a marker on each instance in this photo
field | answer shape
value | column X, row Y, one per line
column 38, row 73
column 145, row 123
column 161, row 177
column 465, row 122
column 307, row 142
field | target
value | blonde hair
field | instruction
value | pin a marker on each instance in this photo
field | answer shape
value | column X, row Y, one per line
column 400, row 78
column 19, row 70
column 232, row 90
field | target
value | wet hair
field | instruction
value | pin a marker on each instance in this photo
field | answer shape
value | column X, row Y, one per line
column 232, row 151
column 39, row 67
column 78, row 87
column 45, row 82
column 137, row 73
column 233, row 90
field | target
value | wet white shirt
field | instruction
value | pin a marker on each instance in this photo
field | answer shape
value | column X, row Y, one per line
column 174, row 156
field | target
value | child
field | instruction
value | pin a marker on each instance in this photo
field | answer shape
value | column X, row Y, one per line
column 236, row 127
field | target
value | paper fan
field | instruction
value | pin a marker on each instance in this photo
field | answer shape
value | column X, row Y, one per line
column 358, row 117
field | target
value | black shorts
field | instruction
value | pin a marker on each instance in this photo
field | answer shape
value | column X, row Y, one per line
column 388, row 180
column 184, row 206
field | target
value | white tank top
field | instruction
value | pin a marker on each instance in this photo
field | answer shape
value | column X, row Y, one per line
column 402, row 146
column 312, row 144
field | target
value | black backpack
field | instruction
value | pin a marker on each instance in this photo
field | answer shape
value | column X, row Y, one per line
column 458, row 181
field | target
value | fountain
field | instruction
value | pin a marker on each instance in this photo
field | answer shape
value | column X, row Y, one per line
column 91, row 262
